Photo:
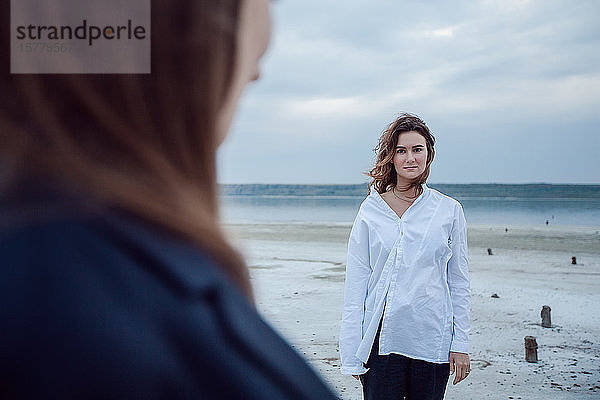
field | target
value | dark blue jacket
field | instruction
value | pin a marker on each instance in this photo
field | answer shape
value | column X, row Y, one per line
column 106, row 307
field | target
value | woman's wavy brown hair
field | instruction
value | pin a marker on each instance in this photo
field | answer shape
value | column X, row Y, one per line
column 144, row 143
column 384, row 174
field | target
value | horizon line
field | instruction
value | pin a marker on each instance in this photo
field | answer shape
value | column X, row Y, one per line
column 428, row 183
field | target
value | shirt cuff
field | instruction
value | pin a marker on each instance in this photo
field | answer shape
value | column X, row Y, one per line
column 459, row 347
column 354, row 370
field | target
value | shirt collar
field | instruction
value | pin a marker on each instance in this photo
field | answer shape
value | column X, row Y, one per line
column 388, row 210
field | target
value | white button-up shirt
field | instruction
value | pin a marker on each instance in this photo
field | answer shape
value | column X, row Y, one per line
column 412, row 272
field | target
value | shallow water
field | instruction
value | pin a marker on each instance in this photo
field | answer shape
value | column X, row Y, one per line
column 478, row 210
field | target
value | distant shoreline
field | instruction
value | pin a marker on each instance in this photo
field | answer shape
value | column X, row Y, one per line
column 478, row 190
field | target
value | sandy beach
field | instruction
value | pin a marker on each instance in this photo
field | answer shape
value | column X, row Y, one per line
column 297, row 272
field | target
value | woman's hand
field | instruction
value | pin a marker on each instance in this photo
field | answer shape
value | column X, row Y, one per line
column 461, row 364
column 357, row 377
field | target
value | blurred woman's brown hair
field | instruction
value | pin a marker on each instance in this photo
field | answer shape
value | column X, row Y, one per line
column 144, row 143
column 383, row 173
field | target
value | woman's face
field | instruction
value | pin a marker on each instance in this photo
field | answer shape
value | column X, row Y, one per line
column 254, row 33
column 410, row 158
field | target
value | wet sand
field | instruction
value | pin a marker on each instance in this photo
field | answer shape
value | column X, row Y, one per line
column 297, row 271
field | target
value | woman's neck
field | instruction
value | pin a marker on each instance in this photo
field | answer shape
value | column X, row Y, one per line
column 405, row 190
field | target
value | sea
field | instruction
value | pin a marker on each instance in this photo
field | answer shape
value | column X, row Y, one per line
column 494, row 204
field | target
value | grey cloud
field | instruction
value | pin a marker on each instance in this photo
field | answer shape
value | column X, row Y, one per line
column 477, row 71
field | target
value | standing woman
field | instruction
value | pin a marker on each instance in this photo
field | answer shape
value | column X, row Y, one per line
column 116, row 280
column 405, row 325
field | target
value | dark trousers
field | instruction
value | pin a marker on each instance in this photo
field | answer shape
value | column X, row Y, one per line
column 398, row 377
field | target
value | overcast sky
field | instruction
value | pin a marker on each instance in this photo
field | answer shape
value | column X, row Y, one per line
column 510, row 89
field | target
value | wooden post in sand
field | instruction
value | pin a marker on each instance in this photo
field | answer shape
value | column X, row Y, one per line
column 530, row 349
column 546, row 323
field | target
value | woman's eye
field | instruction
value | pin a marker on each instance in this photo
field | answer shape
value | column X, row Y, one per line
column 400, row 151
column 418, row 150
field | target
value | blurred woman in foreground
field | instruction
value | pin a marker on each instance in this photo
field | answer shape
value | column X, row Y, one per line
column 116, row 280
